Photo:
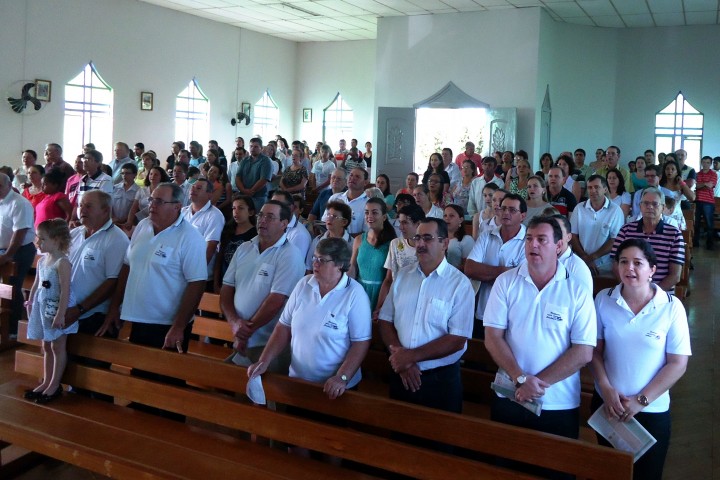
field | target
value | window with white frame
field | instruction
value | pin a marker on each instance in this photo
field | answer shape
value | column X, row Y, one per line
column 88, row 113
column 338, row 120
column 192, row 115
column 680, row 126
column 266, row 118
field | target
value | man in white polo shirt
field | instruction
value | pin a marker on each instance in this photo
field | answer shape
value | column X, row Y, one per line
column 540, row 328
column 356, row 198
column 296, row 232
column 16, row 243
column 497, row 251
column 575, row 266
column 163, row 276
column 258, row 282
column 595, row 224
column 425, row 322
column 204, row 216
column 95, row 248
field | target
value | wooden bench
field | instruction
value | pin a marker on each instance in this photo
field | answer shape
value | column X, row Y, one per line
column 482, row 438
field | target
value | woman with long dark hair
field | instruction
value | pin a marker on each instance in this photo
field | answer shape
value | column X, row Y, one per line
column 238, row 230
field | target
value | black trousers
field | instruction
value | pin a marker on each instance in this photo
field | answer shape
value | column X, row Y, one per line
column 441, row 388
column 23, row 259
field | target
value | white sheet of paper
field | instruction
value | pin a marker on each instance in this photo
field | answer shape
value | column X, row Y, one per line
column 628, row 436
column 255, row 390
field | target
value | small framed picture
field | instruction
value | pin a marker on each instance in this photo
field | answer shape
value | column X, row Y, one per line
column 245, row 108
column 307, row 115
column 43, row 89
column 146, row 101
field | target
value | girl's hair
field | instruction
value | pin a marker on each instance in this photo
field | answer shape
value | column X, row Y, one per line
column 641, row 244
column 388, row 232
column 164, row 177
column 474, row 167
column 663, row 177
column 55, row 177
column 460, row 233
column 229, row 228
column 57, row 229
column 385, row 192
column 621, row 180
column 442, row 188
column 441, row 167
column 542, row 183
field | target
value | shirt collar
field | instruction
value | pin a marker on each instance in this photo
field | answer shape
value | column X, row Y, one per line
column 256, row 242
column 442, row 270
column 658, row 229
column 589, row 206
column 660, row 297
column 560, row 272
column 342, row 283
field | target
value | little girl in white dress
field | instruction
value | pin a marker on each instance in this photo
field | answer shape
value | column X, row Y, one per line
column 50, row 297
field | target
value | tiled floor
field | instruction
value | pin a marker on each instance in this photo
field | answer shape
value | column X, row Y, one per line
column 695, row 445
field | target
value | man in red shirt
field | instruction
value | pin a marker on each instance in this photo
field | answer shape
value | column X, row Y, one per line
column 705, row 202
column 469, row 154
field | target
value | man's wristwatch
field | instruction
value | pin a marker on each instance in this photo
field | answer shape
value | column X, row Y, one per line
column 344, row 378
column 519, row 381
column 643, row 400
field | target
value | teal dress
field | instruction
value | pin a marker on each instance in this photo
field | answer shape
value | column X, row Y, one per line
column 371, row 272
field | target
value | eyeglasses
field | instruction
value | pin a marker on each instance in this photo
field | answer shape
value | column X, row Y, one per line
column 266, row 216
column 160, row 201
column 330, row 216
column 321, row 261
column 425, row 238
column 650, row 204
column 511, row 210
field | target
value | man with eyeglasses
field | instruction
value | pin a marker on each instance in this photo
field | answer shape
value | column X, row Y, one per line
column 206, row 217
column 666, row 240
column 595, row 224
column 652, row 175
column 540, row 328
column 163, row 276
column 425, row 322
column 497, row 251
column 258, row 282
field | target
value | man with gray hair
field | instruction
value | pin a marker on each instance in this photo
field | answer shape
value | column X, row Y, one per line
column 163, row 276
column 666, row 240
column 16, row 243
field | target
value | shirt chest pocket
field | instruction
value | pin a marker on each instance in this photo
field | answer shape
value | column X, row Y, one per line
column 555, row 317
column 438, row 313
column 90, row 257
column 265, row 274
column 164, row 256
column 334, row 325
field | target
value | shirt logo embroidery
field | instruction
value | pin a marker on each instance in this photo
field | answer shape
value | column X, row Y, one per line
column 554, row 316
column 652, row 334
column 331, row 324
column 89, row 256
column 160, row 253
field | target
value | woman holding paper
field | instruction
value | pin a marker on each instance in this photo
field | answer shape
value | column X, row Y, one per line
column 642, row 350
column 327, row 323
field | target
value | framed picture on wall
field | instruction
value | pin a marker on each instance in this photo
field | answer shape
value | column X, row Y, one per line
column 146, row 101
column 307, row 115
column 43, row 89
column 245, row 108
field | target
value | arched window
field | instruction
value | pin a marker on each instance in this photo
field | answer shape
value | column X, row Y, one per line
column 88, row 113
column 266, row 118
column 338, row 120
column 680, row 126
column 192, row 115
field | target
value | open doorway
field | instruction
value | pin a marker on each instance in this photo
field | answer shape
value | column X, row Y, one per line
column 437, row 128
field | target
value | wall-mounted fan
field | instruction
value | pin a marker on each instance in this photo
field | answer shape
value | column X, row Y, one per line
column 239, row 119
column 21, row 97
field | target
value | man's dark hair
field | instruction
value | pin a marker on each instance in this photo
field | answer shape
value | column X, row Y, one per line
column 287, row 196
column 580, row 150
column 540, row 220
column 140, row 145
column 285, row 213
column 32, row 153
column 130, row 166
column 448, row 150
column 442, row 230
column 515, row 196
column 96, row 155
column 603, row 180
column 257, row 140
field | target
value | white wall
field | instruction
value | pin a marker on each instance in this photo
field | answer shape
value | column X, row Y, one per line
column 326, row 68
column 136, row 47
column 653, row 65
column 492, row 56
column 579, row 65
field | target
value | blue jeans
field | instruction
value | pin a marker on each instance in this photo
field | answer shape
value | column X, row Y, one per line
column 704, row 211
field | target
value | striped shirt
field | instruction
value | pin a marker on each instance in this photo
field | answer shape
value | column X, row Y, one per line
column 666, row 240
column 703, row 194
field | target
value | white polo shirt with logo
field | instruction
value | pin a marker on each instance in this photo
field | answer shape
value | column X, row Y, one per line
column 209, row 221
column 16, row 213
column 594, row 228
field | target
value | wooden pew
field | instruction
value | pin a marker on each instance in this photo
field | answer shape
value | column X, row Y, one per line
column 483, row 438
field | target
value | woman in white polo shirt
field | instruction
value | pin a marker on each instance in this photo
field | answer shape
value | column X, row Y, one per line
column 327, row 323
column 642, row 350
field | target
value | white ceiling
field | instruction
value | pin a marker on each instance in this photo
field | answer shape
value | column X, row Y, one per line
column 337, row 20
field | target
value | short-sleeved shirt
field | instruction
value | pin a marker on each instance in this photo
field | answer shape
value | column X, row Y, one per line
column 161, row 266
column 323, row 328
column 209, row 221
column 688, row 173
column 122, row 200
column 252, row 170
column 256, row 275
column 564, row 201
column 322, row 171
column 704, row 195
column 400, row 255
column 594, row 228
column 540, row 326
column 16, row 213
column 48, row 208
column 636, row 345
column 313, row 245
column 299, row 236
column 459, row 249
column 577, row 268
column 666, row 240
column 102, row 181
column 94, row 260
column 491, row 250
column 476, row 202
column 425, row 308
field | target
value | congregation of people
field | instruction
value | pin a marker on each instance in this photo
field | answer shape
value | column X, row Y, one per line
column 306, row 254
